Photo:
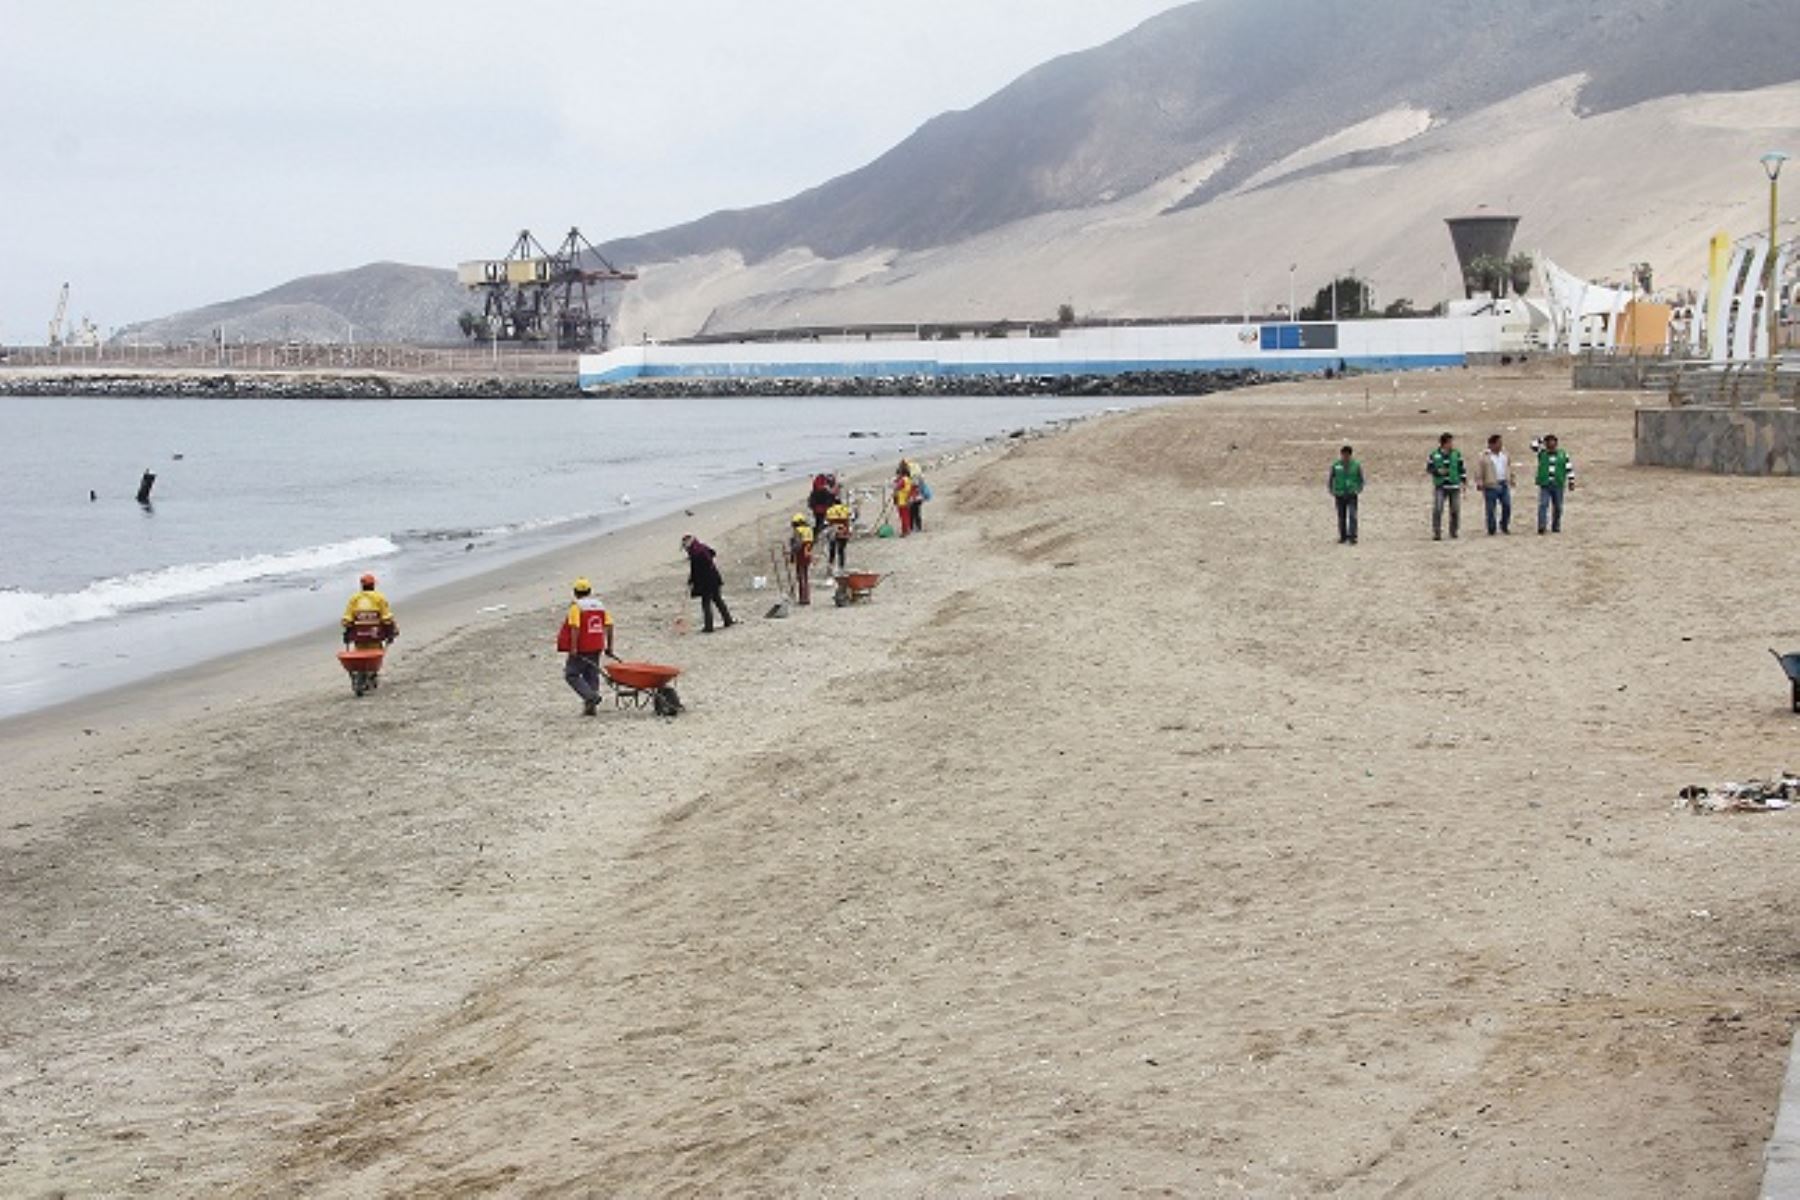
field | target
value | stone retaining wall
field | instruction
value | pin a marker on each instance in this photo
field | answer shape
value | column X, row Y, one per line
column 1618, row 375
column 1725, row 441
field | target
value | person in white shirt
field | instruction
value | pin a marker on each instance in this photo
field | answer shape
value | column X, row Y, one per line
column 1494, row 476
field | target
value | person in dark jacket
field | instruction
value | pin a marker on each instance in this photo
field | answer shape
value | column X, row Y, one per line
column 705, row 581
column 824, row 495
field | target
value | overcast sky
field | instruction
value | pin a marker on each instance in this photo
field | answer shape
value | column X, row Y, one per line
column 160, row 154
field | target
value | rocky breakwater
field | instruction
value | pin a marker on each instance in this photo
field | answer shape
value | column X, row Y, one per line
column 1136, row 383
column 287, row 386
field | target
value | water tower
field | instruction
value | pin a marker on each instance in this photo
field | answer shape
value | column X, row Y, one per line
column 1481, row 234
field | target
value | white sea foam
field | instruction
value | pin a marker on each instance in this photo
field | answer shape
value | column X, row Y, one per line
column 540, row 524
column 24, row 613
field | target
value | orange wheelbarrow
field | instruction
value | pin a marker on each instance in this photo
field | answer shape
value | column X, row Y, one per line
column 855, row 587
column 364, row 669
column 637, row 684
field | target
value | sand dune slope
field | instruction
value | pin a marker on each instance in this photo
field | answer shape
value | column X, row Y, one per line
column 1596, row 192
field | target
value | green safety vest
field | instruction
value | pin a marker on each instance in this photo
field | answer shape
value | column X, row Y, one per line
column 1554, row 468
column 1446, row 468
column 1346, row 478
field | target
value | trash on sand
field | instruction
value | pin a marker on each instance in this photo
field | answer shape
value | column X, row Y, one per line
column 494, row 608
column 777, row 613
column 1758, row 795
column 759, row 583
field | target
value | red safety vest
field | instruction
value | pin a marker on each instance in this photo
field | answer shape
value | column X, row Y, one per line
column 590, row 637
column 367, row 628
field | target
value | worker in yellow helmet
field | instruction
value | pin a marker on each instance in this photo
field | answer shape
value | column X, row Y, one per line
column 586, row 634
column 800, row 548
column 837, row 524
column 369, row 619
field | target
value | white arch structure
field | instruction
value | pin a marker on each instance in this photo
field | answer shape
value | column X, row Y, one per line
column 1583, row 315
column 1735, row 329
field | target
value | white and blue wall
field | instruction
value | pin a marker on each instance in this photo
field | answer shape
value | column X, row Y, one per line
column 1398, row 345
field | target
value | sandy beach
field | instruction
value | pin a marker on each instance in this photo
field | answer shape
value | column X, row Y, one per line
column 1136, row 839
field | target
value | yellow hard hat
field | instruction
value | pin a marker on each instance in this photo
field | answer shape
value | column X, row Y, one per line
column 582, row 587
column 802, row 519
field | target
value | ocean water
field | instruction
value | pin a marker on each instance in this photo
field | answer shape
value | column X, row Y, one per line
column 266, row 511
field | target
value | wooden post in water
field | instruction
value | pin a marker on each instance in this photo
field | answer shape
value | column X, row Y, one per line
column 144, row 486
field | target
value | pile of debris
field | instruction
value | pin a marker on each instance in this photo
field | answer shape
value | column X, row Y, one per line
column 1758, row 795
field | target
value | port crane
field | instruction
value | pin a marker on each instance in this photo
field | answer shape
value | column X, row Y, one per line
column 537, row 296
column 56, row 322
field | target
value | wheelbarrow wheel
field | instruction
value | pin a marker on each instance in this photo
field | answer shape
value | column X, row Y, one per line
column 359, row 683
column 666, row 702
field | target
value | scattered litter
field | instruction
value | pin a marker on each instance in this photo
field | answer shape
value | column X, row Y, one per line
column 759, row 583
column 777, row 613
column 494, row 608
column 1756, row 796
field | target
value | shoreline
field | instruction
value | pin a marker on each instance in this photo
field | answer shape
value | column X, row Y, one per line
column 149, row 641
column 450, row 608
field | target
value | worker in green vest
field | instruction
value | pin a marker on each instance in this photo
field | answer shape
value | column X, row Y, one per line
column 1449, row 478
column 1346, row 483
column 1555, row 478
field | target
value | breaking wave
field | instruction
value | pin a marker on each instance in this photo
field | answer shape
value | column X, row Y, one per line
column 26, row 613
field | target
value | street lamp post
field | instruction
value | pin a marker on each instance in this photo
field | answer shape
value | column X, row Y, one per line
column 1772, row 163
column 1293, row 313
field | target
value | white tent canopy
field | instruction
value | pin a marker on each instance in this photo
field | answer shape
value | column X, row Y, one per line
column 1583, row 315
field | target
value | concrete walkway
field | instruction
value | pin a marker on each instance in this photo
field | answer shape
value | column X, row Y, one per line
column 1781, row 1172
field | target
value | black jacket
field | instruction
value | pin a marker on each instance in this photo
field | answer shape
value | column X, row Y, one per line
column 703, row 573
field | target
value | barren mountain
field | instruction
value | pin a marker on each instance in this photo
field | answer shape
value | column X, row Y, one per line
column 1184, row 167
column 388, row 302
column 1259, row 80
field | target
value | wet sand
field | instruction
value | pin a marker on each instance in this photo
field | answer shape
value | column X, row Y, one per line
column 1136, row 838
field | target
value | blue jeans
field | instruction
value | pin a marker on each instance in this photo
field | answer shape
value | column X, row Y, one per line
column 1346, row 508
column 1550, row 499
column 1498, row 499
